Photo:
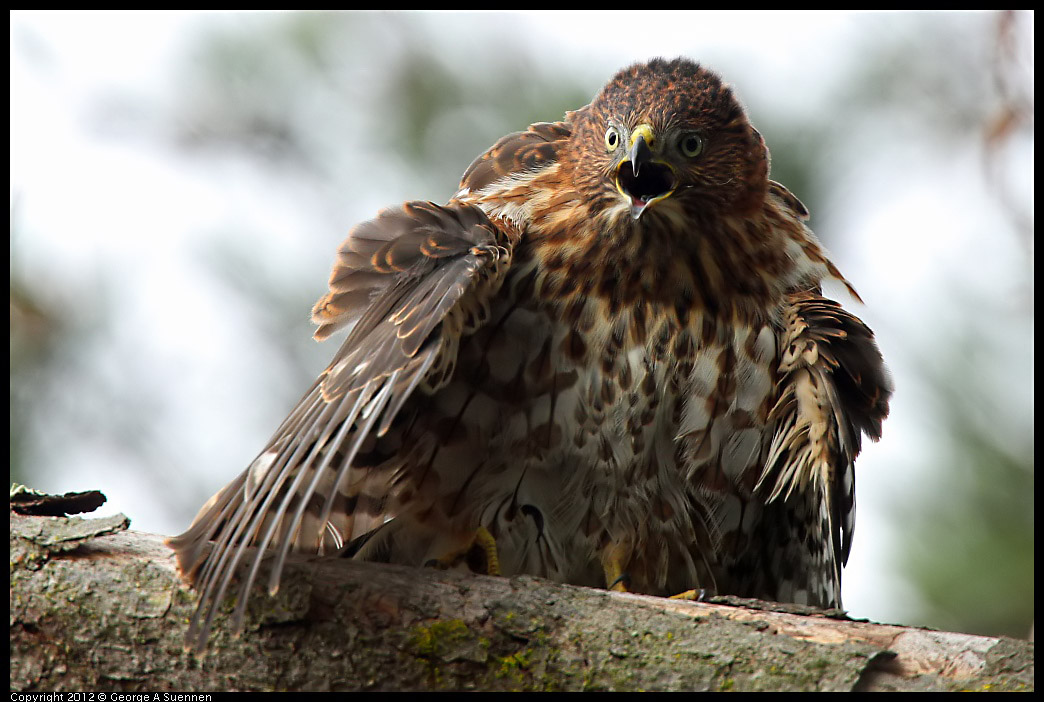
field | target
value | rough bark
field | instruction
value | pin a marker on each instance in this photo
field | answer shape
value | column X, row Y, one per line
column 98, row 608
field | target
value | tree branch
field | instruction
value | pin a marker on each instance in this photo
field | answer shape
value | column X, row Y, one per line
column 95, row 608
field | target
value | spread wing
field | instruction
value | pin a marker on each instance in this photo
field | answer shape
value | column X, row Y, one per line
column 833, row 387
column 413, row 280
column 517, row 153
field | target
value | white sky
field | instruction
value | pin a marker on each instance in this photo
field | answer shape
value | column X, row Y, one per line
column 115, row 218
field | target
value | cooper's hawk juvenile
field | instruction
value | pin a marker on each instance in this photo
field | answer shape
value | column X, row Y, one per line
column 606, row 361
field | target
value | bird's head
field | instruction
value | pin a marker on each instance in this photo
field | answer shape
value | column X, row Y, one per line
column 668, row 133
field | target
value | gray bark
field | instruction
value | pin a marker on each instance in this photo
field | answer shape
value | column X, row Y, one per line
column 97, row 608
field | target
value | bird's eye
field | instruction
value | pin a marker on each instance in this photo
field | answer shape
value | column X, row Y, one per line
column 691, row 145
column 612, row 138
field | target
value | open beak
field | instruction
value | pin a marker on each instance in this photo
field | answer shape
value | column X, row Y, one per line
column 641, row 176
column 641, row 152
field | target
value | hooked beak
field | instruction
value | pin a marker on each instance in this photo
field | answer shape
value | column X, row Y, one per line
column 640, row 150
column 646, row 180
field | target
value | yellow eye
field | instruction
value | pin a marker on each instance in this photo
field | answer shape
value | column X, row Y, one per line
column 691, row 145
column 612, row 138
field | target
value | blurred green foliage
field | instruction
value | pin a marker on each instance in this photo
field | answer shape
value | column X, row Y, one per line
column 968, row 538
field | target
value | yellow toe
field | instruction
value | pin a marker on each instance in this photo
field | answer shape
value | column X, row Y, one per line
column 485, row 541
column 694, row 595
column 612, row 566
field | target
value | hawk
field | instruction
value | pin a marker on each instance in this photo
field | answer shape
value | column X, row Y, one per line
column 606, row 361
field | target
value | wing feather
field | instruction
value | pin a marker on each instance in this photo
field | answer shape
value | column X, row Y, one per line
column 833, row 387
column 532, row 149
column 411, row 280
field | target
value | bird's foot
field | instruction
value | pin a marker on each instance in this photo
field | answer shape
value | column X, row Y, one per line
column 479, row 555
column 697, row 595
column 616, row 578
